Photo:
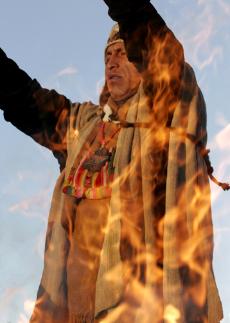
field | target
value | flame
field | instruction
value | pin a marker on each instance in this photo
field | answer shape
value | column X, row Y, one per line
column 165, row 253
column 172, row 315
column 28, row 308
column 29, row 305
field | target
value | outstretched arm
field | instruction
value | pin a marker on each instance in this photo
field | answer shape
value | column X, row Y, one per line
column 38, row 112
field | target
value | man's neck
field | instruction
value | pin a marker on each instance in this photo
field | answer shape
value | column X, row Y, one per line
column 121, row 102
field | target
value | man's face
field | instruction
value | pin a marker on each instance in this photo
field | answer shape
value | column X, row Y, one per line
column 121, row 76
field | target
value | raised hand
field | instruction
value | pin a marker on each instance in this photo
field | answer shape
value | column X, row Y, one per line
column 121, row 9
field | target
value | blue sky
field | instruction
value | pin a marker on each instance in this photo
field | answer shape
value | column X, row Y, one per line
column 61, row 44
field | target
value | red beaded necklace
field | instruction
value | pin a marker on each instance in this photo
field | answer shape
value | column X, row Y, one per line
column 102, row 155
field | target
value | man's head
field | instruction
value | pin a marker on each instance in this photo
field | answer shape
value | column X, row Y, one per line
column 122, row 77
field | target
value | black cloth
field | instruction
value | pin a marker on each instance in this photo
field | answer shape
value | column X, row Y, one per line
column 38, row 112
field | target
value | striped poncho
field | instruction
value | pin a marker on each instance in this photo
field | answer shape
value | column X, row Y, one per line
column 167, row 265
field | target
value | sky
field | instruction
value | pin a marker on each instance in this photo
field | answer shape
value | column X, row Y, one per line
column 61, row 44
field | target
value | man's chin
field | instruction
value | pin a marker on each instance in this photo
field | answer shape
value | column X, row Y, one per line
column 116, row 94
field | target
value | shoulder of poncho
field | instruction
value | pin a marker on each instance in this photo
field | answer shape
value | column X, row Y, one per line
column 82, row 113
column 190, row 112
column 200, row 101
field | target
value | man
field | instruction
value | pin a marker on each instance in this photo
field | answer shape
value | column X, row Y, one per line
column 130, row 235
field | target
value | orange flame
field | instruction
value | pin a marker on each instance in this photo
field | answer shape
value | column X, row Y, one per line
column 161, row 251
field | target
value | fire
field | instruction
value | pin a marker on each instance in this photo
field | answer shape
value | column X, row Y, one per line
column 172, row 315
column 28, row 308
column 148, row 248
column 29, row 305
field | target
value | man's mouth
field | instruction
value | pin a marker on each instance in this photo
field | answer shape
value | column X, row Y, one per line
column 114, row 77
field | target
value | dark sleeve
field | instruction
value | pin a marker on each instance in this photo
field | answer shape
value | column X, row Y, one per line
column 40, row 113
column 152, row 47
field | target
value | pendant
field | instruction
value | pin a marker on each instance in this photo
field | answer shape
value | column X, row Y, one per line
column 102, row 151
column 97, row 160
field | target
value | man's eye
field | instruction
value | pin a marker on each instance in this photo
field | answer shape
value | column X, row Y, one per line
column 107, row 59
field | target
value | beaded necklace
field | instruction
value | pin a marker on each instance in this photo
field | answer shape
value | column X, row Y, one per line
column 102, row 155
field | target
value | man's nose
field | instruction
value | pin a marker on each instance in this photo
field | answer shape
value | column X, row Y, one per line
column 113, row 62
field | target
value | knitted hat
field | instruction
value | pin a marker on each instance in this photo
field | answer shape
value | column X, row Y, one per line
column 114, row 37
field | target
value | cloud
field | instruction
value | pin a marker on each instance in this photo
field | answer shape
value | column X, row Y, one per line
column 221, row 120
column 7, row 297
column 204, row 39
column 70, row 70
column 205, row 53
column 33, row 206
column 23, row 319
column 220, row 146
column 222, row 139
column 225, row 7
